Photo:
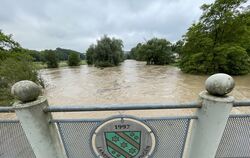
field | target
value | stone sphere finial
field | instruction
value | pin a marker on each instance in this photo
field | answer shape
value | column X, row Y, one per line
column 26, row 90
column 219, row 84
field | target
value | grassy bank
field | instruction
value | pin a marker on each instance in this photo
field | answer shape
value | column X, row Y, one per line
column 41, row 65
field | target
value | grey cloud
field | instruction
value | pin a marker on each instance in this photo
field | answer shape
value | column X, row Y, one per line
column 75, row 24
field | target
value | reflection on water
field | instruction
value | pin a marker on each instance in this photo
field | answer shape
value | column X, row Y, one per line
column 132, row 82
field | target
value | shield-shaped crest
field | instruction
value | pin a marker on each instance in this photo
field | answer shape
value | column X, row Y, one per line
column 123, row 144
column 123, row 138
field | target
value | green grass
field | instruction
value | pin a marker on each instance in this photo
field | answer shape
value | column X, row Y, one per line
column 41, row 65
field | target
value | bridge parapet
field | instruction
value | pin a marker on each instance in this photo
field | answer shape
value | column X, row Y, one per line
column 210, row 133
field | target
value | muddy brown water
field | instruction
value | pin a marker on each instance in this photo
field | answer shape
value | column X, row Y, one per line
column 131, row 82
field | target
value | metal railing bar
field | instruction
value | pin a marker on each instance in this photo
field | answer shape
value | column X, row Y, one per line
column 7, row 109
column 140, row 118
column 74, row 120
column 170, row 118
column 241, row 103
column 239, row 115
column 9, row 121
column 113, row 107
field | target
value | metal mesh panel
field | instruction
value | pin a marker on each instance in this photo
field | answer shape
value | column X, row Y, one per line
column 170, row 133
column 171, row 137
column 235, row 142
column 76, row 138
column 13, row 142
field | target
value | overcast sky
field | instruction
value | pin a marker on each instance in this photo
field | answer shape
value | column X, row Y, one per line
column 75, row 24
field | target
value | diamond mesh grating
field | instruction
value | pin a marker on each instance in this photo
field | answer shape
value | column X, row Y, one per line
column 235, row 142
column 171, row 136
column 13, row 142
column 76, row 138
column 170, row 133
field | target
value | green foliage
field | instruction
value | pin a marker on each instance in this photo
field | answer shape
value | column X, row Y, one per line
column 220, row 41
column 13, row 70
column 237, row 60
column 177, row 47
column 74, row 59
column 63, row 54
column 7, row 43
column 51, row 58
column 155, row 51
column 107, row 52
column 90, row 54
column 134, row 53
column 15, row 65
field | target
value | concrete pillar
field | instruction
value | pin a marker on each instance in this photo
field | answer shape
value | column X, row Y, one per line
column 42, row 135
column 208, row 129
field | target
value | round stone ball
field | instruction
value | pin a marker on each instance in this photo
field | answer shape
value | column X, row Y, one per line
column 26, row 90
column 219, row 84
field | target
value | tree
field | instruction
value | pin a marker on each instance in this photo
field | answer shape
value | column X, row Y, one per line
column 51, row 58
column 74, row 59
column 15, row 65
column 61, row 53
column 7, row 43
column 222, row 32
column 107, row 52
column 177, row 47
column 134, row 52
column 90, row 54
column 155, row 51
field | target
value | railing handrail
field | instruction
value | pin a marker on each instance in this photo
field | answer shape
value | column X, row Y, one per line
column 239, row 103
column 7, row 109
column 113, row 107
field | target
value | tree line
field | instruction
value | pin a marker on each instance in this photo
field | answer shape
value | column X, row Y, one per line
column 109, row 52
column 17, row 63
column 218, row 42
column 52, row 57
column 61, row 53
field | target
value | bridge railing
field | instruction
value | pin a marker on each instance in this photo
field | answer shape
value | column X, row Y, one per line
column 210, row 132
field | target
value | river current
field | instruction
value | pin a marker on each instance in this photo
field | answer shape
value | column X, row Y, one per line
column 131, row 82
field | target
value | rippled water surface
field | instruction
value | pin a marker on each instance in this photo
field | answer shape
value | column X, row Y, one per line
column 131, row 82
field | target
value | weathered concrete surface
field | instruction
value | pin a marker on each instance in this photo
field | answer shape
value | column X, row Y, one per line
column 208, row 129
column 41, row 134
column 26, row 91
column 219, row 84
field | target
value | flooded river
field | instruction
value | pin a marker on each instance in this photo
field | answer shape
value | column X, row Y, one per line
column 131, row 82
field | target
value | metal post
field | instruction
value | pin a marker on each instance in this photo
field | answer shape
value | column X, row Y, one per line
column 42, row 135
column 208, row 129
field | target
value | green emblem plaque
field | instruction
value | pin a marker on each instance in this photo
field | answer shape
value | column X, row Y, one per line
column 123, row 138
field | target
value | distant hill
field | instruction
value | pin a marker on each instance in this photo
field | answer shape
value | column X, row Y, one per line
column 64, row 53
